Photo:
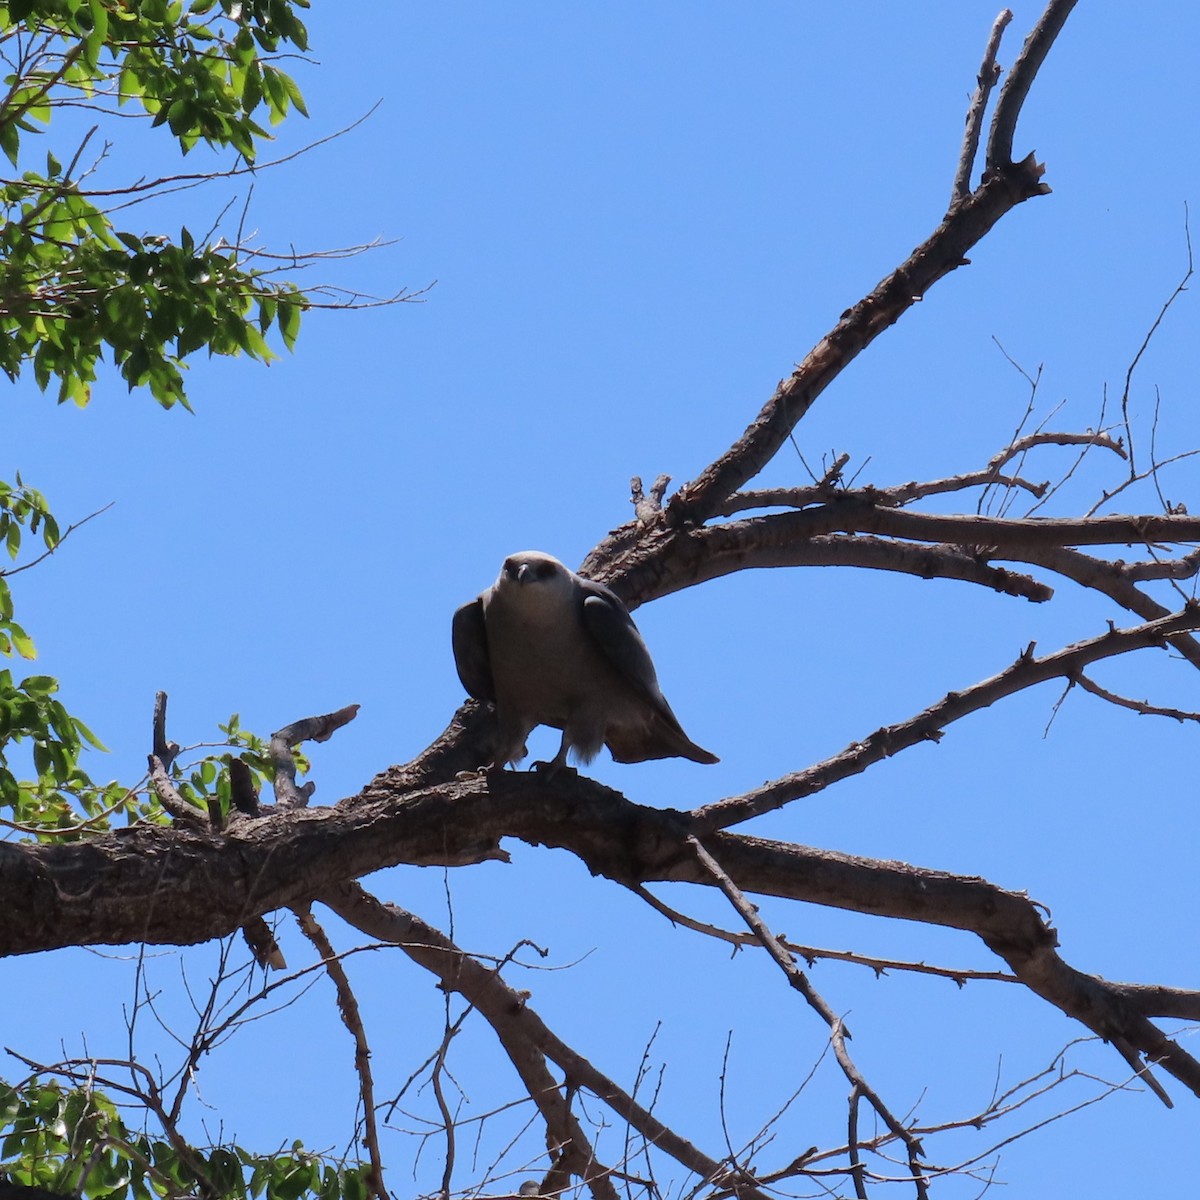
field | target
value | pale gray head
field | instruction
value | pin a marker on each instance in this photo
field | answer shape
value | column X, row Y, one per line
column 535, row 574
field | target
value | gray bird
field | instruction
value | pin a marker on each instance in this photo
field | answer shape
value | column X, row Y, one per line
column 549, row 647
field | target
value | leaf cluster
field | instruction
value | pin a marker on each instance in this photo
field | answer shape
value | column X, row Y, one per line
column 74, row 1141
column 206, row 783
column 74, row 288
column 198, row 68
column 61, row 802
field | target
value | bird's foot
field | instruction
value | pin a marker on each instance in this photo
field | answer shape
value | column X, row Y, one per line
column 552, row 768
column 482, row 769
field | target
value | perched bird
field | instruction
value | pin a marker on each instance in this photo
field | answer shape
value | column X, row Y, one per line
column 549, row 647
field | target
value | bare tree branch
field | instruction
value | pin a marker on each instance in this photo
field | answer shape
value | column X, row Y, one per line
column 813, row 954
column 929, row 725
column 524, row 1038
column 308, row 729
column 989, row 73
column 1144, row 707
column 1020, row 79
column 352, row 1018
column 837, row 1030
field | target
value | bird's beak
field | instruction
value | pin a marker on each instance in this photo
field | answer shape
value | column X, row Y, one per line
column 523, row 572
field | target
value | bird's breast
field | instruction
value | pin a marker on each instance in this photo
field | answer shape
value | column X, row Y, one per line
column 543, row 661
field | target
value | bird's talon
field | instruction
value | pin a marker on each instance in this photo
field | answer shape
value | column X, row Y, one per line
column 550, row 769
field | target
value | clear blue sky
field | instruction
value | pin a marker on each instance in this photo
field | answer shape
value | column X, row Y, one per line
column 638, row 216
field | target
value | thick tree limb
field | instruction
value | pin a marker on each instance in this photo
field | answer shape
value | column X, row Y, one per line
column 856, row 514
column 179, row 886
column 771, row 541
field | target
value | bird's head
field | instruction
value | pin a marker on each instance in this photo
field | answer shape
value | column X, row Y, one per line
column 535, row 572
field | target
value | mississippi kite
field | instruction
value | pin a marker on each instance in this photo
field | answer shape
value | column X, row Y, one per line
column 548, row 647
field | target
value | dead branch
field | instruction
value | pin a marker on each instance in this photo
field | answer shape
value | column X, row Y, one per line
column 814, row 954
column 1111, row 580
column 1005, row 184
column 1184, row 567
column 892, row 497
column 773, row 541
column 1154, row 1000
column 168, row 795
column 989, row 74
column 352, row 1018
column 944, row 251
column 308, row 729
column 857, row 515
column 928, row 726
column 1022, row 445
column 1143, row 707
column 524, row 1036
column 1180, row 288
column 838, row 1033
column 1020, row 79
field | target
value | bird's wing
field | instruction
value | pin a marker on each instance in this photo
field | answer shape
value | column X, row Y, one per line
column 468, row 635
column 611, row 628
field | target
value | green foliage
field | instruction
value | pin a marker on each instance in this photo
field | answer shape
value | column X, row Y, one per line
column 61, row 793
column 20, row 506
column 61, row 802
column 76, row 290
column 206, row 783
column 74, row 1141
column 197, row 68
column 73, row 287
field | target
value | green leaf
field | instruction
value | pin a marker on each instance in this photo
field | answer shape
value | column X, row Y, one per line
column 289, row 321
column 39, row 685
column 88, row 736
column 10, row 141
column 98, row 35
column 293, row 91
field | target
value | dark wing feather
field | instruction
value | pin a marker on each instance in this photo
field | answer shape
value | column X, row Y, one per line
column 468, row 635
column 610, row 626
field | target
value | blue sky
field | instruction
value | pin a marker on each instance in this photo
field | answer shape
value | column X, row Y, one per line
column 638, row 217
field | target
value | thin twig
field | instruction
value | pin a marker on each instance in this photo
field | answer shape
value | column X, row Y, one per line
column 838, row 1033
column 1144, row 707
column 66, row 533
column 813, row 954
column 352, row 1018
column 1180, row 288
